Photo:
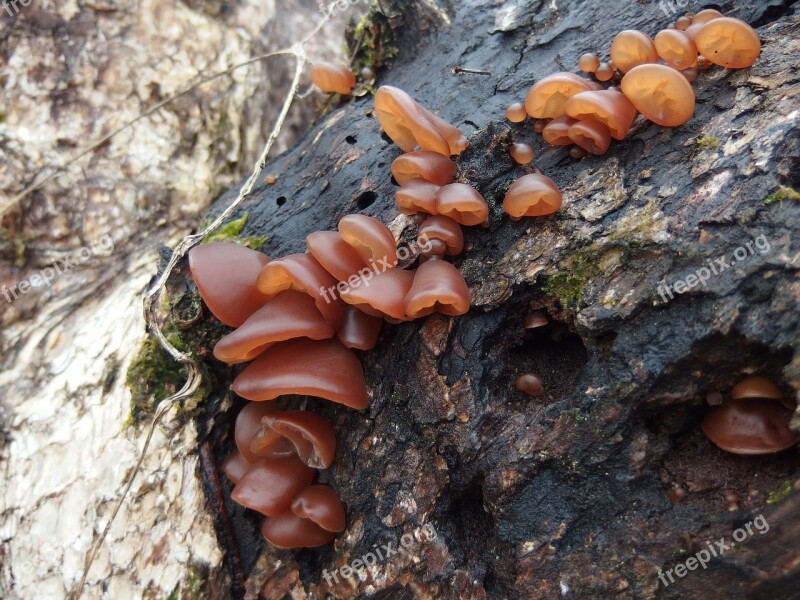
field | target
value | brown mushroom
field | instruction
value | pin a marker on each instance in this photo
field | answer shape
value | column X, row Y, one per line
column 516, row 112
column 682, row 23
column 287, row 530
column 533, row 195
column 438, row 287
column 429, row 166
column 332, row 79
column 522, row 154
column 556, row 132
column 632, row 48
column 728, row 42
column 444, row 229
column 547, row 98
column 462, row 203
column 335, row 255
column 320, row 504
column 530, row 384
column 325, row 369
column 676, row 49
column 269, row 486
column 536, row 319
column 706, row 15
column 359, row 330
column 311, row 436
column 383, row 297
column 750, row 426
column 235, row 466
column 288, row 315
column 417, row 196
column 660, row 93
column 225, row 275
column 756, row 386
column 588, row 62
column 604, row 72
column 609, row 107
column 248, row 424
column 591, row 135
column 370, row 238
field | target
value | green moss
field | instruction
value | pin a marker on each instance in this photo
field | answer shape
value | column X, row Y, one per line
column 783, row 193
column 568, row 283
column 230, row 232
column 780, row 494
column 708, row 143
column 193, row 587
column 371, row 41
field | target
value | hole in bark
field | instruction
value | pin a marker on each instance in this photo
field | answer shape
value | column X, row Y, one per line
column 366, row 199
column 280, row 201
column 386, row 138
column 350, row 139
column 465, row 520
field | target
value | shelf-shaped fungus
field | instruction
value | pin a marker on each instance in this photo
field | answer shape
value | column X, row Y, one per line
column 443, row 229
column 632, row 48
column 533, row 195
column 660, row 93
column 359, row 330
column 522, row 154
column 437, row 287
column 609, row 107
column 430, row 166
column 547, row 98
column 462, row 203
column 287, row 530
column 417, row 196
column 383, row 297
column 332, row 79
column 728, row 42
column 556, row 132
column 335, row 255
column 269, row 486
column 593, row 136
column 750, row 426
column 676, row 49
column 311, row 436
column 370, row 238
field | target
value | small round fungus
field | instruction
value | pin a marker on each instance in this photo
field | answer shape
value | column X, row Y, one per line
column 546, row 99
column 530, row 384
column 533, row 195
column 522, row 154
column 676, row 49
column 706, row 15
column 632, row 48
column 235, row 466
column 516, row 112
column 729, row 42
column 591, row 135
column 577, row 153
column 536, row 319
column 333, row 79
column 429, row 166
column 556, row 132
column 588, row 63
column 660, row 93
column 750, row 426
column 462, row 203
column 756, row 386
column 604, row 72
column 609, row 107
column 539, row 125
column 682, row 23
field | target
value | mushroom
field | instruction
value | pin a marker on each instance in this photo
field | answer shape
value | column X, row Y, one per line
column 225, row 275
column 536, row 319
column 325, row 369
column 359, row 330
column 311, row 437
column 756, row 386
column 383, row 297
column 521, row 153
column 533, row 195
column 302, row 272
column 248, row 424
column 728, row 42
column 462, row 203
column 750, row 426
column 682, row 23
column 444, row 229
column 604, row 72
column 706, row 15
column 417, row 196
column 676, row 49
column 632, row 48
column 660, row 93
column 540, row 124
column 609, row 107
column 547, row 98
column 516, row 112
column 530, row 384
column 577, row 153
column 332, row 79
column 335, row 255
column 287, row 530
column 438, row 287
column 588, row 62
column 269, row 486
column 288, row 315
column 320, row 504
column 410, row 125
column 556, row 132
column 235, row 466
column 429, row 166
column 370, row 238
column 591, row 135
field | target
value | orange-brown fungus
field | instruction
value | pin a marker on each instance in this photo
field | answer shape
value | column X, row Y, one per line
column 288, row 315
column 556, row 132
column 248, row 424
column 591, row 135
column 676, row 49
column 429, row 166
column 632, row 48
column 536, row 319
column 690, row 74
column 370, row 238
column 384, row 295
column 269, row 486
column 530, row 384
column 235, row 466
column 540, row 124
column 516, row 112
column 225, row 275
column 444, row 229
column 333, row 79
column 417, row 196
column 335, row 255
column 588, row 63
column 756, row 386
column 522, row 154
column 750, row 426
column 682, row 23
column 462, row 203
column 609, row 107
column 729, row 42
column 546, row 99
column 533, row 195
column 438, row 287
column 325, row 369
column 605, row 72
column 706, row 15
column 287, row 530
column 577, row 153
column 660, row 93
column 320, row 504
column 359, row 330
column 311, row 437
column 410, row 125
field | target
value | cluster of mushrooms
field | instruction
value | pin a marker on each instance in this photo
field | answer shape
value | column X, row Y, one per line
column 571, row 110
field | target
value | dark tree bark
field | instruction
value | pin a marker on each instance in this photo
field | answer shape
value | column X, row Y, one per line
column 567, row 495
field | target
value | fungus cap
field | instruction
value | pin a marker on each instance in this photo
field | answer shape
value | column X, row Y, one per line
column 728, row 42
column 530, row 384
column 676, row 49
column 632, row 48
column 660, row 93
column 320, row 504
column 750, row 426
column 383, row 297
column 516, row 112
column 269, row 486
column 593, row 136
column 287, row 530
column 417, row 196
column 430, row 166
column 462, row 203
column 235, row 466
column 438, row 287
column 522, row 154
column 445, row 229
column 359, row 330
column 609, row 107
column 248, row 424
column 756, row 386
column 333, row 79
column 335, row 255
column 370, row 238
column 588, row 62
column 546, row 99
column 556, row 132
column 533, row 195
column 311, row 436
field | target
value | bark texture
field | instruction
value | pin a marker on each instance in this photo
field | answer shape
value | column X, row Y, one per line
column 566, row 495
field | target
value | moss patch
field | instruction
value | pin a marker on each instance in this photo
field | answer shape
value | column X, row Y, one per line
column 371, row 42
column 708, row 143
column 780, row 494
column 231, row 232
column 783, row 193
column 568, row 284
